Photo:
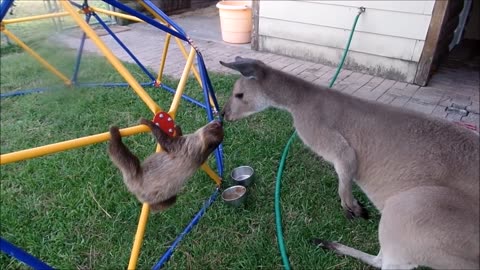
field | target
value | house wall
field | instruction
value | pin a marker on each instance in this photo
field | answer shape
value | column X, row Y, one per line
column 388, row 40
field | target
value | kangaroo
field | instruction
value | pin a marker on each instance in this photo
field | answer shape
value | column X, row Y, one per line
column 160, row 177
column 421, row 173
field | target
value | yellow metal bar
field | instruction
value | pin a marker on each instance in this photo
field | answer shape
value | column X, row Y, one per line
column 142, row 222
column 155, row 15
column 194, row 68
column 137, row 243
column 66, row 145
column 164, row 58
column 212, row 174
column 37, row 56
column 36, row 17
column 182, row 49
column 112, row 58
column 185, row 54
column 181, row 84
column 117, row 14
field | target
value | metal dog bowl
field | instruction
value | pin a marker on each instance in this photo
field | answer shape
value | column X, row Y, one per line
column 242, row 175
column 234, row 195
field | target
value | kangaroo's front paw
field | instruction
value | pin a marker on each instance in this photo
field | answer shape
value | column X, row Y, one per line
column 356, row 211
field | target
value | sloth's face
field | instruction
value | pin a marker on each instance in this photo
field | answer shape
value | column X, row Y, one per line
column 199, row 145
column 212, row 135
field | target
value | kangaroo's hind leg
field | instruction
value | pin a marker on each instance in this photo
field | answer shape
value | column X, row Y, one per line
column 340, row 249
column 430, row 226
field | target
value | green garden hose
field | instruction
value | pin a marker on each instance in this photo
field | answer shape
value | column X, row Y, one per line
column 278, row 215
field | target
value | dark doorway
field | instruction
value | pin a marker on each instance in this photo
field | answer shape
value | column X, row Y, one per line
column 456, row 61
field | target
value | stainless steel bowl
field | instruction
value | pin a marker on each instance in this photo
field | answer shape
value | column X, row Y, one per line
column 242, row 175
column 234, row 195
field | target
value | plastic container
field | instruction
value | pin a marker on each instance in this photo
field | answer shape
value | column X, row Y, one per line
column 235, row 21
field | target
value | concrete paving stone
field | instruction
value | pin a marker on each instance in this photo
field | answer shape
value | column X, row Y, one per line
column 309, row 78
column 474, row 107
column 451, row 88
column 353, row 77
column 300, row 68
column 340, row 86
column 273, row 57
column 279, row 64
column 472, row 118
column 386, row 98
column 399, row 85
column 400, row 101
column 328, row 76
column 374, row 82
column 291, row 67
column 454, row 117
column 344, row 73
column 365, row 95
column 357, row 84
column 411, row 88
column 449, row 99
column 368, row 93
column 419, row 106
column 378, row 91
column 386, row 84
column 428, row 95
column 314, row 67
column 324, row 82
column 324, row 70
column 351, row 88
column 397, row 92
column 366, row 78
column 439, row 111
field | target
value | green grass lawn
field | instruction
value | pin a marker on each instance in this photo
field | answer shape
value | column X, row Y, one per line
column 72, row 210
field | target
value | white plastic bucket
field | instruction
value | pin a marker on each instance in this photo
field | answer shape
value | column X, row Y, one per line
column 235, row 21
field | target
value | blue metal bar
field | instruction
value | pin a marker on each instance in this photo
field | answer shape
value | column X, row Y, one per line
column 206, row 94
column 21, row 255
column 123, row 46
column 187, row 98
column 201, row 65
column 189, row 227
column 75, row 4
column 80, row 51
column 23, row 92
column 145, row 18
column 165, row 17
column 4, row 7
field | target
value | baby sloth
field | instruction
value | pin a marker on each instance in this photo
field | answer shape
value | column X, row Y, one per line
column 158, row 180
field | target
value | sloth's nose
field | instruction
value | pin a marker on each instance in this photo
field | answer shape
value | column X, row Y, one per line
column 216, row 124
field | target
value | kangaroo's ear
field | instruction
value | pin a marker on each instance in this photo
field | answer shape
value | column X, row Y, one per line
column 249, row 68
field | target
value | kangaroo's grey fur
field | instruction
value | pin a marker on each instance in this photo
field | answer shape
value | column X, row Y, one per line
column 160, row 177
column 421, row 173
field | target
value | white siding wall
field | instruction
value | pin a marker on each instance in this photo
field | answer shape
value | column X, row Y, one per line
column 388, row 40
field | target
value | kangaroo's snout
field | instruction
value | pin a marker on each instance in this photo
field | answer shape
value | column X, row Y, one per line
column 226, row 113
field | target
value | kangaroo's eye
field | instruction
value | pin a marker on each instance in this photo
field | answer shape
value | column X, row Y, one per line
column 239, row 95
